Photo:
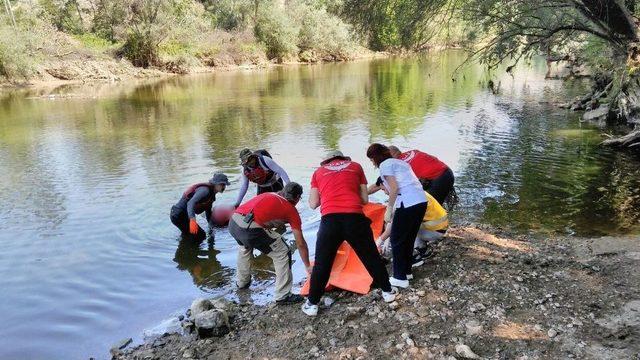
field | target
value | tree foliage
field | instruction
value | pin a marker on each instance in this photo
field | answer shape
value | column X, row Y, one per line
column 516, row 28
column 390, row 24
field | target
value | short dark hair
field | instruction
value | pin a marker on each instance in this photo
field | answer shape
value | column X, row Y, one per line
column 378, row 153
column 292, row 191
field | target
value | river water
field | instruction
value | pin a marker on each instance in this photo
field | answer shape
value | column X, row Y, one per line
column 88, row 174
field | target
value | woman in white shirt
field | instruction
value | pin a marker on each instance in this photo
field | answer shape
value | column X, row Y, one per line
column 407, row 206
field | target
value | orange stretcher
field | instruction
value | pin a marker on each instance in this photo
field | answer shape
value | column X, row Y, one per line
column 348, row 272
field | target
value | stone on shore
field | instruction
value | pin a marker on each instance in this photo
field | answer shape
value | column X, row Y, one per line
column 214, row 322
column 473, row 327
column 466, row 352
column 199, row 306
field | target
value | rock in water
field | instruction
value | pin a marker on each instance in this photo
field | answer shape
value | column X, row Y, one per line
column 199, row 306
column 597, row 115
column 213, row 322
column 168, row 326
column 123, row 343
column 116, row 349
column 465, row 351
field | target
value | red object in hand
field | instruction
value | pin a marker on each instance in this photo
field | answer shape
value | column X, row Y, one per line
column 193, row 226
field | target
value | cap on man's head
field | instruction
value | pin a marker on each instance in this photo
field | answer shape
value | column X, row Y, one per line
column 334, row 154
column 245, row 154
column 292, row 191
column 219, row 178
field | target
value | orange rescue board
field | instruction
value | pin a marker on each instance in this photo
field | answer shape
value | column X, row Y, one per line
column 348, row 272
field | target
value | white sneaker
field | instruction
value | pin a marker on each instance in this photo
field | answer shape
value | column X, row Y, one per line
column 399, row 283
column 390, row 296
column 309, row 309
column 409, row 276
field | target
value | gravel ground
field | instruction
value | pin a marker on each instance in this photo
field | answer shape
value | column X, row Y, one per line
column 484, row 294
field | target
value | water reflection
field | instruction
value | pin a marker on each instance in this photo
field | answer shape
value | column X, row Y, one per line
column 205, row 269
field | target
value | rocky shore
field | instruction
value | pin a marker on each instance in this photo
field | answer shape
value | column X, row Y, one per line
column 485, row 294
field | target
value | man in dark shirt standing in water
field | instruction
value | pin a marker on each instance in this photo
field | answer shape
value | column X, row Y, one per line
column 198, row 198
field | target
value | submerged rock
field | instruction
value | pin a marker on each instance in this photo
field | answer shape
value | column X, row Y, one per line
column 122, row 343
column 169, row 326
column 117, row 348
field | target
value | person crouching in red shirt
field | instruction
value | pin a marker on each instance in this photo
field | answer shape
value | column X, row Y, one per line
column 436, row 177
column 253, row 226
column 339, row 188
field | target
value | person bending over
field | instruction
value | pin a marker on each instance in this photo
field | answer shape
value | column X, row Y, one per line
column 436, row 177
column 407, row 206
column 253, row 224
column 339, row 188
column 258, row 167
column 198, row 198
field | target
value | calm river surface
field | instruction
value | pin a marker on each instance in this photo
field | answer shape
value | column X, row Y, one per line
column 88, row 174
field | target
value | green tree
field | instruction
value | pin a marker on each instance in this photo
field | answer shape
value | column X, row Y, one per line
column 519, row 29
column 391, row 24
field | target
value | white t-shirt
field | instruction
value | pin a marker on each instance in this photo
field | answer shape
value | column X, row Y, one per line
column 409, row 188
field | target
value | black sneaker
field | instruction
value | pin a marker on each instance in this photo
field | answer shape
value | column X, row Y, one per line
column 417, row 260
column 290, row 299
column 425, row 252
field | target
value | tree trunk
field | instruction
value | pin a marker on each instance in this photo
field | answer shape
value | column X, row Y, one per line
column 631, row 140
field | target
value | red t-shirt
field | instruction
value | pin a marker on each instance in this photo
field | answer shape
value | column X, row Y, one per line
column 338, row 183
column 270, row 208
column 424, row 165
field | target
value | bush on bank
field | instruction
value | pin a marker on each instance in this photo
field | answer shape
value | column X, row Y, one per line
column 173, row 34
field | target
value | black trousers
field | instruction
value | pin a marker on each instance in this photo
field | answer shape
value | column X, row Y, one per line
column 441, row 186
column 277, row 186
column 180, row 219
column 404, row 228
column 355, row 229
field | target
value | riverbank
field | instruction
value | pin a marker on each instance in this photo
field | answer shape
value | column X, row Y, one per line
column 80, row 67
column 485, row 293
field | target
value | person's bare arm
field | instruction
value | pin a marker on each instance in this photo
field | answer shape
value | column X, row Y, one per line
column 393, row 195
column 385, row 234
column 373, row 188
column 301, row 243
column 314, row 198
column 364, row 194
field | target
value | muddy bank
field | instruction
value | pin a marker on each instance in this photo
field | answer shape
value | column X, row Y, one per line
column 83, row 68
column 484, row 294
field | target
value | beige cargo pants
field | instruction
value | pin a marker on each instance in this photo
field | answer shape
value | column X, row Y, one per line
column 279, row 254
